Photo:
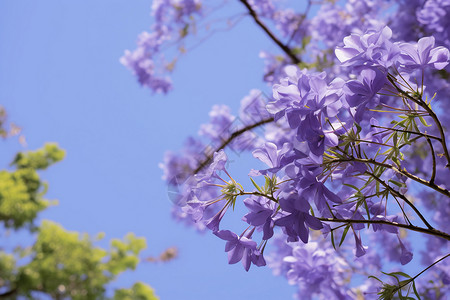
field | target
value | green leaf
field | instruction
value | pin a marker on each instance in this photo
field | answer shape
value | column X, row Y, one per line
column 415, row 290
column 422, row 120
column 397, row 273
column 344, row 234
column 267, row 184
column 352, row 186
column 256, row 186
column 397, row 183
column 332, row 239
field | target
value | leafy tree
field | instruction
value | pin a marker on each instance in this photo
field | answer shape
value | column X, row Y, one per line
column 60, row 264
column 355, row 142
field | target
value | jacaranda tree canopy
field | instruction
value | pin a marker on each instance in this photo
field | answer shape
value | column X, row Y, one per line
column 354, row 143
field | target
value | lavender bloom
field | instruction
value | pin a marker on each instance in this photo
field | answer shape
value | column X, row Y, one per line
column 176, row 11
column 406, row 255
column 387, row 228
column 434, row 16
column 261, row 212
column 297, row 222
column 219, row 127
column 146, row 62
column 218, row 164
column 264, row 8
column 423, row 54
column 360, row 249
column 272, row 157
column 253, row 108
column 370, row 49
column 193, row 194
column 306, row 100
column 315, row 269
column 239, row 248
column 361, row 94
column 317, row 191
column 214, row 222
column 141, row 62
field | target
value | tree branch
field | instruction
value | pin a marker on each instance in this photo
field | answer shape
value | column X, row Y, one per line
column 403, row 172
column 283, row 47
column 395, row 193
column 409, row 131
column 230, row 139
column 430, row 112
column 433, row 231
column 433, row 155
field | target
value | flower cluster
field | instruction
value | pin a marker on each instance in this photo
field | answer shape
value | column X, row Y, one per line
column 172, row 19
column 354, row 145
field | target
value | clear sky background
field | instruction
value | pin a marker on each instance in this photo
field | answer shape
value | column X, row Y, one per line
column 61, row 81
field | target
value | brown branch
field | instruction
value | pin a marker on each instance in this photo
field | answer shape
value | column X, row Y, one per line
column 409, row 131
column 433, row 155
column 433, row 231
column 403, row 172
column 303, row 18
column 230, row 139
column 283, row 47
column 395, row 193
column 430, row 112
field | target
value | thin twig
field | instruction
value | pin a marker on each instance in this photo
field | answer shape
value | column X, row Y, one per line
column 433, row 231
column 400, row 171
column 234, row 135
column 302, row 19
column 395, row 193
column 430, row 112
column 283, row 47
column 409, row 131
column 433, row 155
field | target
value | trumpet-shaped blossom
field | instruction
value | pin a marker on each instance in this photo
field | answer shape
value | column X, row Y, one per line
column 424, row 53
column 372, row 48
column 261, row 214
column 361, row 94
column 298, row 220
column 240, row 248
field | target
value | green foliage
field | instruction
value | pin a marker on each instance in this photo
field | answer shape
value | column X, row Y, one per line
column 139, row 291
column 60, row 264
column 40, row 159
column 21, row 191
column 123, row 254
column 401, row 289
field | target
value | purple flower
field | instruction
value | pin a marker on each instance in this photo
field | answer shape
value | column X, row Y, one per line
column 239, row 248
column 361, row 94
column 385, row 227
column 360, row 249
column 314, row 267
column 272, row 156
column 424, row 54
column 375, row 133
column 317, row 191
column 298, row 220
column 371, row 49
column 253, row 108
column 141, row 61
column 218, row 164
column 406, row 255
column 261, row 211
column 317, row 137
column 214, row 222
column 220, row 125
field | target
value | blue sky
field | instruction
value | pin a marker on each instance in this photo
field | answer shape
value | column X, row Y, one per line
column 61, row 81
